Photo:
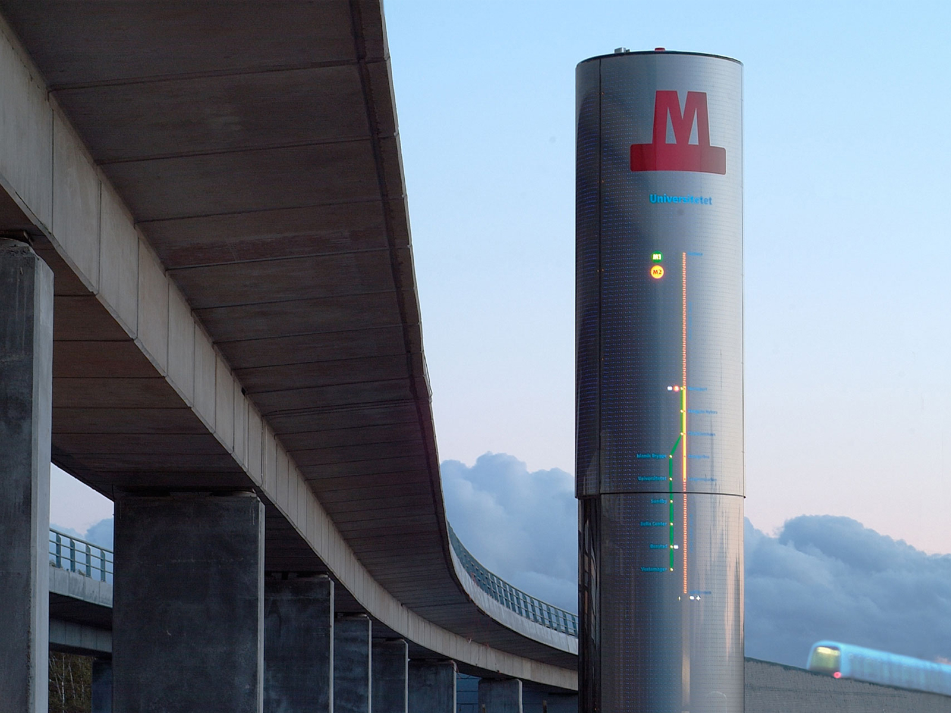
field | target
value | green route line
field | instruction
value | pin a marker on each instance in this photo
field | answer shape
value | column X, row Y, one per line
column 670, row 489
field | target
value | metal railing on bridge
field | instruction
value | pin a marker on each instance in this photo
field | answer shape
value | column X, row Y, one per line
column 513, row 598
column 77, row 555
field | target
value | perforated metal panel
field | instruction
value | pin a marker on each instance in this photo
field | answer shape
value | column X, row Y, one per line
column 660, row 382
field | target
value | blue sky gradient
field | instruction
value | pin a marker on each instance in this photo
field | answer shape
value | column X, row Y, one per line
column 846, row 236
column 847, row 248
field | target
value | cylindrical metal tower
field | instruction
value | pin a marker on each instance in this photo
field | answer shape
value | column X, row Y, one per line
column 660, row 382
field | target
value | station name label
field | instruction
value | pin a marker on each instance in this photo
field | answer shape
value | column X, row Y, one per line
column 664, row 198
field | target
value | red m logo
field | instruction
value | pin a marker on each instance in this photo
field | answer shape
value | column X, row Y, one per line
column 682, row 155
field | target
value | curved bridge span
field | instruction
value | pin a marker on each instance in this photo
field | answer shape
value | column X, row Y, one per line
column 218, row 191
column 96, row 564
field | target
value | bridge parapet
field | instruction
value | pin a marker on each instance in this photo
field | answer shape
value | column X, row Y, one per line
column 513, row 598
column 75, row 554
column 244, row 319
column 80, row 556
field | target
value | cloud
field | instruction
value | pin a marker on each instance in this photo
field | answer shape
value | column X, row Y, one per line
column 66, row 530
column 521, row 525
column 820, row 577
column 827, row 577
column 101, row 533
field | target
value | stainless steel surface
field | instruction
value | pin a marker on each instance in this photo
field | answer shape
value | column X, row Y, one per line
column 660, row 383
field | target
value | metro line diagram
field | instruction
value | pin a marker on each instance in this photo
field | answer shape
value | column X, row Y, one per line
column 680, row 444
column 681, row 441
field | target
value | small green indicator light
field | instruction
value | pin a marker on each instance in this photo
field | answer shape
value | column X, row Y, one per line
column 657, row 257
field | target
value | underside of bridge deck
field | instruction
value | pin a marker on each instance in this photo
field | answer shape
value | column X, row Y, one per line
column 218, row 189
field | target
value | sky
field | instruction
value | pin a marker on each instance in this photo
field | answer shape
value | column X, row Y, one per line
column 847, row 156
column 847, row 347
column 74, row 507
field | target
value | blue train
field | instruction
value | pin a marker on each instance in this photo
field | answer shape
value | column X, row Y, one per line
column 861, row 664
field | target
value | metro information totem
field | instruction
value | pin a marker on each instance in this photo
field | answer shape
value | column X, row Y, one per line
column 660, row 382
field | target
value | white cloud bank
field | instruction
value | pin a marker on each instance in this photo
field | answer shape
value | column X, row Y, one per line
column 827, row 577
column 821, row 577
column 521, row 525
column 100, row 533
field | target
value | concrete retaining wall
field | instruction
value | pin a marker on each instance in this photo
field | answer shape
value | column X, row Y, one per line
column 774, row 688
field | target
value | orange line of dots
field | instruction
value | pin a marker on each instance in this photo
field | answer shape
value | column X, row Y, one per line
column 683, row 402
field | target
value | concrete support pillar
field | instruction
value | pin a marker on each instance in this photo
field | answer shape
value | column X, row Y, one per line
column 188, row 603
column 101, row 686
column 390, row 676
column 541, row 700
column 432, row 686
column 298, row 645
column 467, row 693
column 500, row 696
column 560, row 703
column 352, row 664
column 26, row 391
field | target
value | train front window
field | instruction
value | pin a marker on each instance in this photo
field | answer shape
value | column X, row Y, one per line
column 825, row 659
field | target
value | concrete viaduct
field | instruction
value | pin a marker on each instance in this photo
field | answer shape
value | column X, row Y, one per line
column 208, row 313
